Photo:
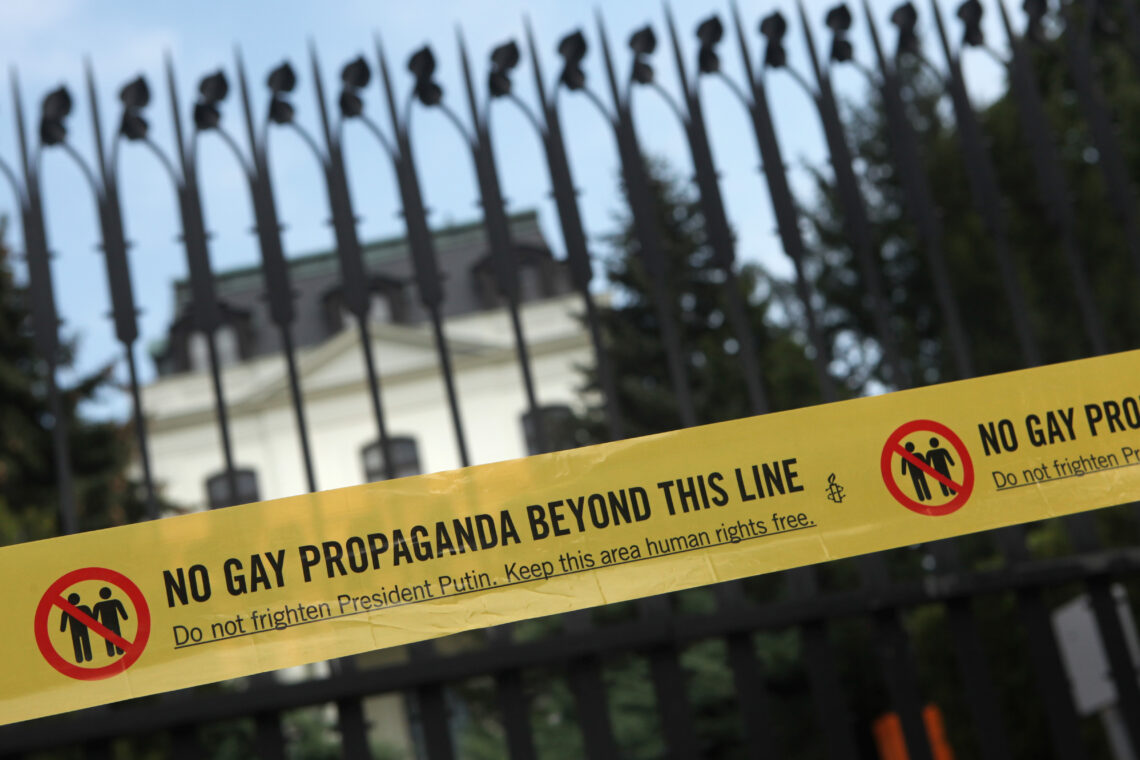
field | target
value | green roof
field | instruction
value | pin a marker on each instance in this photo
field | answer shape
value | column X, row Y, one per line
column 385, row 249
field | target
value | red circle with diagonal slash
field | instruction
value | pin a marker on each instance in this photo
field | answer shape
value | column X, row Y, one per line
column 53, row 597
column 892, row 448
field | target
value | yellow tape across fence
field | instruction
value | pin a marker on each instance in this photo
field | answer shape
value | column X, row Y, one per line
column 140, row 609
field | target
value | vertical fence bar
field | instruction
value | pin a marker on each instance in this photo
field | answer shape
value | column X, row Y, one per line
column 717, row 230
column 184, row 744
column 650, row 251
column 969, row 653
column 504, row 259
column 432, row 705
column 1082, row 533
column 751, row 695
column 269, row 739
column 987, row 198
column 894, row 645
column 1132, row 21
column 353, row 727
column 204, row 308
column 1121, row 191
column 512, row 699
column 1081, row 529
column 664, row 664
column 357, row 296
column 584, row 674
column 783, row 206
column 1050, row 180
column 45, row 318
column 573, row 235
column 123, row 310
column 832, row 713
column 590, row 699
column 274, row 267
column 354, row 280
column 854, row 211
column 919, row 200
column 508, row 683
column 422, row 246
column 1043, row 650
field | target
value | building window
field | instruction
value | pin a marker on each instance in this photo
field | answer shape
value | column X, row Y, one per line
column 531, row 285
column 405, row 459
column 199, row 352
column 218, row 489
column 226, row 340
column 558, row 426
column 229, row 348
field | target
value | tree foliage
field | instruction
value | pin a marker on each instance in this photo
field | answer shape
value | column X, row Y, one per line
column 100, row 450
column 1033, row 234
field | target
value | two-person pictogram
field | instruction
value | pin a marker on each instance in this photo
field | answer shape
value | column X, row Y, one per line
column 83, row 608
column 107, row 613
column 935, row 457
column 927, row 468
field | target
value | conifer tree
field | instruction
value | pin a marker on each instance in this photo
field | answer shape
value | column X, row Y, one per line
column 697, row 301
column 100, row 450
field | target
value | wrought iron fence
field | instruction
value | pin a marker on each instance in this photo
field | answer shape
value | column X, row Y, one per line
column 582, row 646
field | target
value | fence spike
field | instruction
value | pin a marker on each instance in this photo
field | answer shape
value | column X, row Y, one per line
column 251, row 128
column 465, row 66
column 809, row 36
column 876, row 43
column 745, row 54
column 322, row 106
column 30, row 184
column 176, row 113
column 686, row 86
column 96, row 125
column 618, row 103
column 386, row 81
column 1012, row 35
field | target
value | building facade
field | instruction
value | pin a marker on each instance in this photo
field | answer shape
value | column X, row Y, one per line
column 343, row 436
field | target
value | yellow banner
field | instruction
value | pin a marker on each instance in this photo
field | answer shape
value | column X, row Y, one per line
column 146, row 608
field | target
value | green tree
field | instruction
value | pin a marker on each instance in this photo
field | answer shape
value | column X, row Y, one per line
column 629, row 323
column 1033, row 237
column 697, row 299
column 1045, row 276
column 100, row 450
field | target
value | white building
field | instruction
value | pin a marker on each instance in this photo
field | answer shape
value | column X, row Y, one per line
column 179, row 405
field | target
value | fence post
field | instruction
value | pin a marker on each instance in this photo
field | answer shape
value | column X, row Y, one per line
column 982, row 177
column 1121, row 191
column 920, row 201
column 275, row 271
column 123, row 310
column 45, row 318
column 779, row 193
column 1051, row 181
column 717, row 230
column 570, row 220
column 855, row 221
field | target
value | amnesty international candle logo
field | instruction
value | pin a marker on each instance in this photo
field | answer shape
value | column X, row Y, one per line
column 834, row 490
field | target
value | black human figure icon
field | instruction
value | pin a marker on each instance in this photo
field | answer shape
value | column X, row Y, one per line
column 80, row 636
column 941, row 460
column 107, row 612
column 917, row 476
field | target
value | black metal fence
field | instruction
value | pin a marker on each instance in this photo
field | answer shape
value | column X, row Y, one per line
column 819, row 620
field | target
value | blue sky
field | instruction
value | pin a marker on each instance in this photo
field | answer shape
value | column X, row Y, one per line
column 48, row 41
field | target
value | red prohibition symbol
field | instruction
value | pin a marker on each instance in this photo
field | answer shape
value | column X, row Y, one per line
column 127, row 651
column 896, row 458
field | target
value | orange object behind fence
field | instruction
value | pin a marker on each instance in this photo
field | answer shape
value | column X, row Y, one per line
column 892, row 746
